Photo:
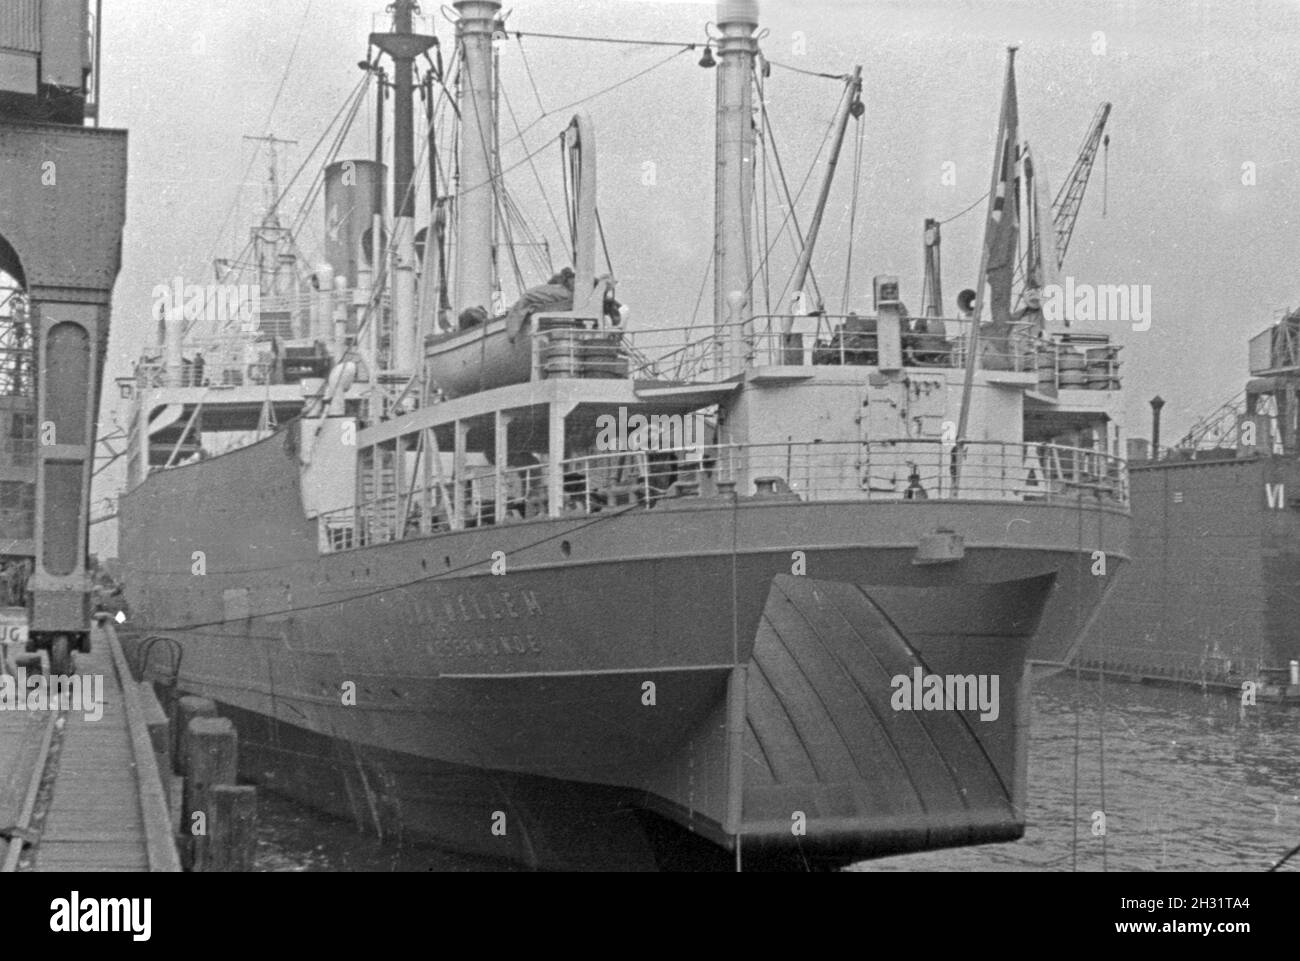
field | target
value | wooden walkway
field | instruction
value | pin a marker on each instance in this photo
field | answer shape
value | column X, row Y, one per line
column 87, row 791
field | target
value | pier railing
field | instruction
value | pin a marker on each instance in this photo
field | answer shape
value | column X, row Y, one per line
column 898, row 470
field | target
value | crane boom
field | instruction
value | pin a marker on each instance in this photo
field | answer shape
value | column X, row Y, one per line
column 1065, row 208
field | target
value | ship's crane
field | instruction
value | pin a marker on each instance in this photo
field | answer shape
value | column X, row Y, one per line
column 1065, row 212
column 1065, row 208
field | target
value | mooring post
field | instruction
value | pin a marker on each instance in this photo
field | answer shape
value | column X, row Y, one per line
column 211, row 761
column 232, row 830
column 184, row 710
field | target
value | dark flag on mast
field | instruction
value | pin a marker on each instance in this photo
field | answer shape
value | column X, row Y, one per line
column 1002, row 229
column 997, row 259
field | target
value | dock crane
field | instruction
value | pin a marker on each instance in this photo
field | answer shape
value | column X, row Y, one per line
column 62, row 249
column 1065, row 208
column 1064, row 214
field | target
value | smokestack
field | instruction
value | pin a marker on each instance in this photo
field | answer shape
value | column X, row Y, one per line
column 1156, row 404
column 349, row 212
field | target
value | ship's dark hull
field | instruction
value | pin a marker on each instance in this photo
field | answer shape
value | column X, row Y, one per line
column 727, row 664
column 1212, row 593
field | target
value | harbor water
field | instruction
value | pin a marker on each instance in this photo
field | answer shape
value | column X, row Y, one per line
column 1187, row 781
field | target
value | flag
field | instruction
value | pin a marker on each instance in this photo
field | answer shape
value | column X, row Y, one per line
column 1002, row 228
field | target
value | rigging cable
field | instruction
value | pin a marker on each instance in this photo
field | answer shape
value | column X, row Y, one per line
column 808, row 73
column 306, row 12
column 699, row 299
column 975, row 203
column 234, row 204
column 541, row 189
column 853, row 215
column 792, row 219
column 520, row 34
column 354, row 99
column 598, row 93
column 528, row 70
column 318, row 182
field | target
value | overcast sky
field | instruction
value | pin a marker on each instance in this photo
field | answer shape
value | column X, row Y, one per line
column 1200, row 89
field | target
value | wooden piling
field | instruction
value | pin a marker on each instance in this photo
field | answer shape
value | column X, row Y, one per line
column 211, row 761
column 184, row 710
column 232, row 830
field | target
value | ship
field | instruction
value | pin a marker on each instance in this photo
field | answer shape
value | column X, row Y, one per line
column 527, row 580
column 1210, row 597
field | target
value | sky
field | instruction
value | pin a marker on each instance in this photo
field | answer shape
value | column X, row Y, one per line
column 1201, row 183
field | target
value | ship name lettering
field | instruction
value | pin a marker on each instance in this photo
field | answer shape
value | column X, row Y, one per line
column 530, row 602
column 492, row 644
column 460, row 602
column 509, row 602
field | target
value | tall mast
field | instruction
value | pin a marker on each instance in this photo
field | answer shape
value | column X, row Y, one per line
column 474, row 216
column 273, row 249
column 734, row 181
column 403, row 46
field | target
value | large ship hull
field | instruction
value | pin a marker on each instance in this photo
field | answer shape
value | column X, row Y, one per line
column 726, row 665
column 1212, row 595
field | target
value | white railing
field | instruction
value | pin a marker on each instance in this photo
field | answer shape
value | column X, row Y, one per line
column 242, row 353
column 898, row 470
column 1061, row 361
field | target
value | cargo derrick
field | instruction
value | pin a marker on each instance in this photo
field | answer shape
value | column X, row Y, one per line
column 62, row 207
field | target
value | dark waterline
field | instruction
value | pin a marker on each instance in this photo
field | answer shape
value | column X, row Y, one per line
column 1192, row 782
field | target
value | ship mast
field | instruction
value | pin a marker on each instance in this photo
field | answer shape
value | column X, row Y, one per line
column 273, row 245
column 734, row 182
column 475, row 213
column 403, row 45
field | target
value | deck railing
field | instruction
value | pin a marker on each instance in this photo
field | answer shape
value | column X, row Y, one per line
column 898, row 470
column 242, row 353
column 1061, row 361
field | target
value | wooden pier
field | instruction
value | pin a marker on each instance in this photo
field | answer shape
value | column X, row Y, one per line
column 78, row 794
